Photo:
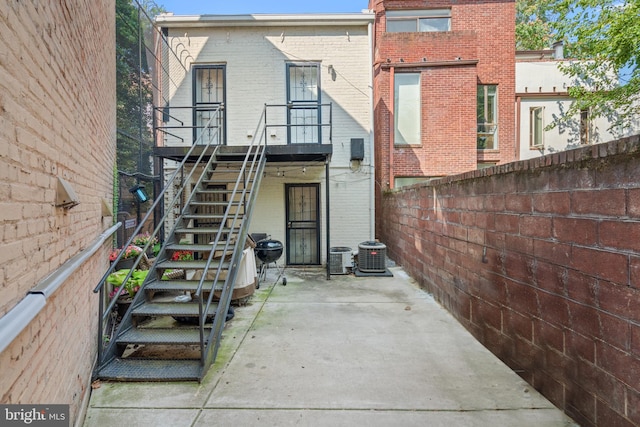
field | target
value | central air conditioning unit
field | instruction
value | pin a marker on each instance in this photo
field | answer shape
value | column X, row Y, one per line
column 372, row 257
column 340, row 259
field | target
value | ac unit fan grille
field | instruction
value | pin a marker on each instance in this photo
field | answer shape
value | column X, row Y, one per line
column 339, row 260
column 372, row 257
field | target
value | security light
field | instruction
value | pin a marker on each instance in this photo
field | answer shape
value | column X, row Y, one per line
column 138, row 191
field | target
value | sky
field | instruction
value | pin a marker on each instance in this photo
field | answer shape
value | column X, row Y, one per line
column 223, row 7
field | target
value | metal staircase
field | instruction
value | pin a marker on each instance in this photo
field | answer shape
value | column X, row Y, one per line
column 173, row 328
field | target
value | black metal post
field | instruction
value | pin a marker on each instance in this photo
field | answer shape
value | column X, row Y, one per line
column 326, row 172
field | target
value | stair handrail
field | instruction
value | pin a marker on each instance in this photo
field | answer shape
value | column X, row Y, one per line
column 256, row 152
column 205, row 148
column 252, row 147
column 225, row 296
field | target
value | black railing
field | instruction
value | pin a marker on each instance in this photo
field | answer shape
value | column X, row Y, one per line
column 303, row 122
column 251, row 170
column 295, row 123
column 104, row 314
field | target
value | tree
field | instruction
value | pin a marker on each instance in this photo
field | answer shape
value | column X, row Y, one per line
column 603, row 36
column 533, row 30
column 133, row 84
column 134, row 90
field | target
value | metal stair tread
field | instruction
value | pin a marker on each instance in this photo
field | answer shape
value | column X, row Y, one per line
column 204, row 230
column 190, row 265
column 194, row 247
column 203, row 216
column 184, row 336
column 186, row 309
column 151, row 370
column 225, row 181
column 214, row 203
column 174, row 285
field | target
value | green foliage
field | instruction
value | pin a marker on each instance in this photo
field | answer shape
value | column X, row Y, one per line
column 133, row 284
column 603, row 35
column 533, row 30
column 134, row 96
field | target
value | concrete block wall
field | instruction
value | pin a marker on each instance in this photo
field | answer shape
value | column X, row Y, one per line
column 540, row 260
column 57, row 119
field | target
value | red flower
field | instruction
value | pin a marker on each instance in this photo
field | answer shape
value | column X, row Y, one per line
column 182, row 256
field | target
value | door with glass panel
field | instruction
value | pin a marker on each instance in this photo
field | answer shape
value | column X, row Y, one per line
column 303, row 225
column 303, row 101
column 209, row 101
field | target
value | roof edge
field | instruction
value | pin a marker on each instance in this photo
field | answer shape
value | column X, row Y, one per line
column 265, row 20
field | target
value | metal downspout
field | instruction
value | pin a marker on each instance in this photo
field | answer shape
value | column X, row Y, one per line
column 372, row 170
column 326, row 180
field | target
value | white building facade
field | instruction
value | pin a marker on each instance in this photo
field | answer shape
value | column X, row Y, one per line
column 541, row 98
column 307, row 79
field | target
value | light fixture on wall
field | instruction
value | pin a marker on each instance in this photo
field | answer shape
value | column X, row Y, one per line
column 65, row 195
column 138, row 191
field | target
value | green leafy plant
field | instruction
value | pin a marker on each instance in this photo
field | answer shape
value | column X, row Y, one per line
column 133, row 284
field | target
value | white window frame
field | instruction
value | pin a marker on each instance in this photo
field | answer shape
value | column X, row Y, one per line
column 407, row 114
column 536, row 127
column 418, row 20
column 487, row 127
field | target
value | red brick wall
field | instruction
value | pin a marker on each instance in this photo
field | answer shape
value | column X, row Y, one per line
column 540, row 260
column 483, row 37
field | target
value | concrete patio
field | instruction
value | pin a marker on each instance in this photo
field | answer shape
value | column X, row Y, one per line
column 374, row 351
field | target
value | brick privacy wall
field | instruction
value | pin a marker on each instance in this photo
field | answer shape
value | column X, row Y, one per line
column 540, row 260
column 57, row 119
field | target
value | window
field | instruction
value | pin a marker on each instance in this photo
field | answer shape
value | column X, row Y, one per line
column 399, row 21
column 208, row 96
column 585, row 127
column 536, row 127
column 487, row 117
column 303, row 95
column 406, row 108
column 405, row 181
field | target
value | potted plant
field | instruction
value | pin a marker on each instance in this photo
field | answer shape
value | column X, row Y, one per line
column 182, row 256
column 131, row 252
column 141, row 240
column 131, row 288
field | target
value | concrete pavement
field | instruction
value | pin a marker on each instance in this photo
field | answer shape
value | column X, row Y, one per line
column 349, row 351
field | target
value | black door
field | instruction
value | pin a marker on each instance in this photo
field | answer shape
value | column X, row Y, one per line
column 303, row 224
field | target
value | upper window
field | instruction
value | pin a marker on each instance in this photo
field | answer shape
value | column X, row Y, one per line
column 303, row 98
column 399, row 21
column 487, row 109
column 406, row 110
column 536, row 127
column 208, row 99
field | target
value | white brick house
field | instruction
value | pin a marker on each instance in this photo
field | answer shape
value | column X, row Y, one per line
column 311, row 75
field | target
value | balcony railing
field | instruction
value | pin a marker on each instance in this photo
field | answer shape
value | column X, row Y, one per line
column 284, row 124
